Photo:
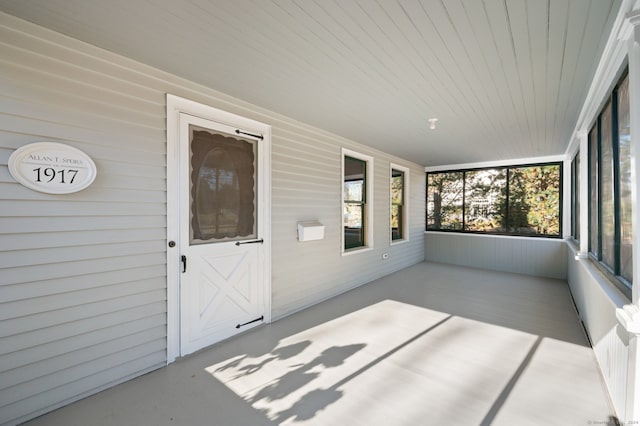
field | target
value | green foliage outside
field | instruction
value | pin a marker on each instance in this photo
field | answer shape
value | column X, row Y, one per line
column 534, row 200
column 444, row 201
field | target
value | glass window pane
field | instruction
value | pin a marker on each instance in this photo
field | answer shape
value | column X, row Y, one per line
column 624, row 150
column 354, row 179
column 397, row 201
column 396, row 222
column 353, row 225
column 606, row 188
column 222, row 187
column 354, row 191
column 354, row 220
column 534, row 200
column 444, row 200
column 397, row 187
column 485, row 200
column 594, row 247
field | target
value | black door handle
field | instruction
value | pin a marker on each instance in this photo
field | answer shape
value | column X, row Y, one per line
column 184, row 263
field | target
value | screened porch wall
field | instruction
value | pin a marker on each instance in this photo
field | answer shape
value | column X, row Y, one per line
column 544, row 257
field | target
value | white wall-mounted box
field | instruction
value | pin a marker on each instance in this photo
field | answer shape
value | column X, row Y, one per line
column 310, row 231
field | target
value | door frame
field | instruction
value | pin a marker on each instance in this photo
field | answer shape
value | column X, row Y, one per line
column 176, row 106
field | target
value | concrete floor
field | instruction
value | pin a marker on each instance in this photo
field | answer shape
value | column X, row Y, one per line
column 429, row 345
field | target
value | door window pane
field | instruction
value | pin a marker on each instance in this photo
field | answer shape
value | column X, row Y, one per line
column 222, row 196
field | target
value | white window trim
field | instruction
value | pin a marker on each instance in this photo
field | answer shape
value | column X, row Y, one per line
column 369, row 204
column 405, row 205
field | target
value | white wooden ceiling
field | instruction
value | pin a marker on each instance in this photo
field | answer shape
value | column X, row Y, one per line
column 505, row 78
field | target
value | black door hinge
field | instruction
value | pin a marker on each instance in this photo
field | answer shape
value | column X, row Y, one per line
column 251, row 322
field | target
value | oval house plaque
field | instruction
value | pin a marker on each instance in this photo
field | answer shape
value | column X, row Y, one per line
column 53, row 168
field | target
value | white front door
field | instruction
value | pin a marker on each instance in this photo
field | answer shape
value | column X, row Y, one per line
column 221, row 230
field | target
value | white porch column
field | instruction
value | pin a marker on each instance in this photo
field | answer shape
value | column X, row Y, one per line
column 566, row 201
column 583, row 138
column 629, row 316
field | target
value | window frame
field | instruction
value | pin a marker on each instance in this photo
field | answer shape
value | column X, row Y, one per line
column 507, row 168
column 367, row 220
column 404, row 215
column 575, row 197
column 614, row 270
column 458, row 206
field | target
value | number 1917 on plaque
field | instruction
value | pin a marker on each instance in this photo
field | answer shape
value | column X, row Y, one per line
column 49, row 174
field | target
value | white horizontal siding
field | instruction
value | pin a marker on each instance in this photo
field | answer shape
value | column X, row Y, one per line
column 53, row 333
column 137, row 364
column 72, row 237
column 17, row 258
column 72, row 367
column 310, row 189
column 12, row 330
column 81, row 299
column 83, row 276
column 52, row 286
column 24, row 274
column 32, row 225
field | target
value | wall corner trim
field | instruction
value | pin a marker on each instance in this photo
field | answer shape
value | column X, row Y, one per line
column 631, row 20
